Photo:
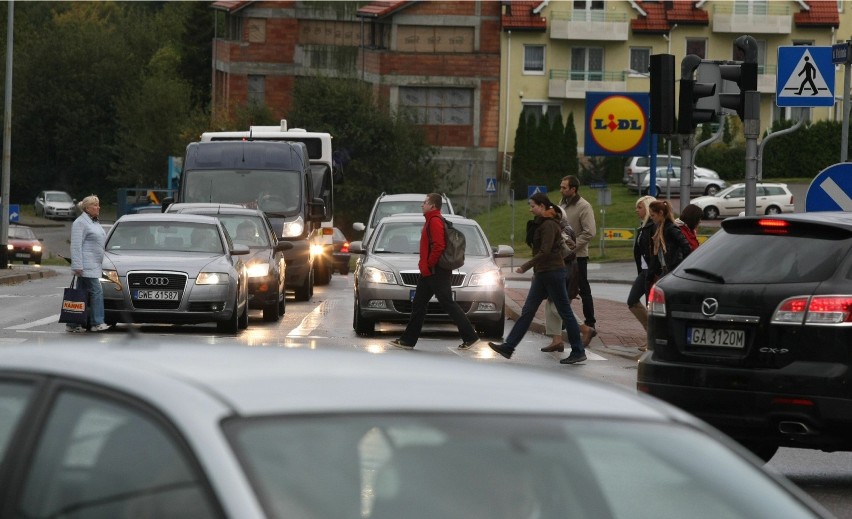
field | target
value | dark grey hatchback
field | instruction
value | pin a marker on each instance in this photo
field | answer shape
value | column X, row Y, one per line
column 753, row 332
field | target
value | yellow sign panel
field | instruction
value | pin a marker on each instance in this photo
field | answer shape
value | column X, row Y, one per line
column 617, row 234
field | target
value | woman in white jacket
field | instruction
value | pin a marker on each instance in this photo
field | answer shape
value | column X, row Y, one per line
column 87, row 254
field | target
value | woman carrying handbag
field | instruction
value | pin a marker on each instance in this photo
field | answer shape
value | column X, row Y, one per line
column 668, row 244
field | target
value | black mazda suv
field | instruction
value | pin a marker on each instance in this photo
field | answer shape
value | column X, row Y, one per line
column 753, row 332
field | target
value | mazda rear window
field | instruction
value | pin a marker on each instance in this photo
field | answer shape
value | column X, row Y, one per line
column 749, row 254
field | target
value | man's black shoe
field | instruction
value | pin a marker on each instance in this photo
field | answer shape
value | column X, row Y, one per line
column 573, row 358
column 399, row 343
column 503, row 349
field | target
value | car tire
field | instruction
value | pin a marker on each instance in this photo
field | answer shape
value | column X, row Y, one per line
column 711, row 213
column 764, row 451
column 242, row 323
column 272, row 311
column 495, row 330
column 231, row 325
column 304, row 292
column 711, row 190
column 363, row 327
column 322, row 272
column 773, row 209
column 282, row 303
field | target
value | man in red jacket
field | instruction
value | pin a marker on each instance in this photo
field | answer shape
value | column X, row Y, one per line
column 434, row 280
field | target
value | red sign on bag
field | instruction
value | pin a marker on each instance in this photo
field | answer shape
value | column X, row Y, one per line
column 74, row 306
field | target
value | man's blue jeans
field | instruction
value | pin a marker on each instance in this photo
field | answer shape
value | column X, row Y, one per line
column 96, row 299
column 543, row 285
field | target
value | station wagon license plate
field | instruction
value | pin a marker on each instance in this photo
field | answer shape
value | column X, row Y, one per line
column 155, row 295
column 432, row 300
column 725, row 338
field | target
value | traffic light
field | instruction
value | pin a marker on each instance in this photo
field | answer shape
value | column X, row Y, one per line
column 691, row 91
column 662, row 94
column 745, row 76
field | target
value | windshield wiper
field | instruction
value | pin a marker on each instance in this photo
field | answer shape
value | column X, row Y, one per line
column 705, row 274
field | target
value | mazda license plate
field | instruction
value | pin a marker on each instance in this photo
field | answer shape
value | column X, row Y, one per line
column 725, row 338
column 155, row 295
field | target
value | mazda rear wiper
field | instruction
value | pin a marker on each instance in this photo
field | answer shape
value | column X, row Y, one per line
column 705, row 274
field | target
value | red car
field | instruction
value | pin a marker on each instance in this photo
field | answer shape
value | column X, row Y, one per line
column 23, row 245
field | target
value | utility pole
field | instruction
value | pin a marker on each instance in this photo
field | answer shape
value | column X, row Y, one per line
column 7, row 143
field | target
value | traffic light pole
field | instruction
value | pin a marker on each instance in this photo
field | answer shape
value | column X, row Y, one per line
column 687, row 142
column 751, row 129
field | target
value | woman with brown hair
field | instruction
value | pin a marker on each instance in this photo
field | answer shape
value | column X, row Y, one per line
column 642, row 257
column 668, row 245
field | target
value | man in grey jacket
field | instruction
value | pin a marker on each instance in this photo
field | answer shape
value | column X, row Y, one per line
column 87, row 254
column 581, row 216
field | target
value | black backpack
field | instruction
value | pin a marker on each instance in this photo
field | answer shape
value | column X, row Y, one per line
column 453, row 255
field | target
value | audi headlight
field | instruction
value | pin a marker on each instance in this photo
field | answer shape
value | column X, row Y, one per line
column 212, row 278
column 294, row 228
column 485, row 279
column 375, row 275
column 258, row 270
column 112, row 276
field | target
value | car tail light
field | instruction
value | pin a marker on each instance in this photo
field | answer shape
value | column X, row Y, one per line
column 657, row 302
column 791, row 199
column 770, row 226
column 814, row 310
column 629, row 173
column 344, row 247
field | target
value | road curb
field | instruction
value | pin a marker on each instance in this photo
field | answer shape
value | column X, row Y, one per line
column 9, row 277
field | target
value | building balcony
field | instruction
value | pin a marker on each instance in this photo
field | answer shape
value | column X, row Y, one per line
column 569, row 84
column 742, row 18
column 589, row 24
column 766, row 78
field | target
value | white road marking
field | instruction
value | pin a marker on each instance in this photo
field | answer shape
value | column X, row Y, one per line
column 47, row 320
column 312, row 320
column 837, row 194
column 11, row 340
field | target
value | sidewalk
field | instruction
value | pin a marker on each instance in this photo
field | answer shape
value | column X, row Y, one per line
column 619, row 333
column 19, row 273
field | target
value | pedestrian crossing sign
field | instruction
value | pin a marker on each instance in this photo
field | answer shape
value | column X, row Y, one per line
column 805, row 76
column 490, row 185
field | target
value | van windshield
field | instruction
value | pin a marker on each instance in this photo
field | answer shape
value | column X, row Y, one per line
column 274, row 192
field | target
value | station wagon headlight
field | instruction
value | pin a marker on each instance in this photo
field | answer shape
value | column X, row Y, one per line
column 212, row 278
column 294, row 228
column 36, row 248
column 317, row 250
column 258, row 270
column 485, row 279
column 374, row 275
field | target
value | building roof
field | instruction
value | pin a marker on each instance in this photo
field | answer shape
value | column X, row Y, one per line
column 231, row 6
column 381, row 8
column 661, row 16
column 523, row 15
column 820, row 13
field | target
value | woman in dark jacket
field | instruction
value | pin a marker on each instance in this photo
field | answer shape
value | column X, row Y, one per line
column 668, row 245
column 641, row 255
column 548, row 282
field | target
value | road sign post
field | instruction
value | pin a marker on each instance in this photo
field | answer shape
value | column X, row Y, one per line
column 840, row 55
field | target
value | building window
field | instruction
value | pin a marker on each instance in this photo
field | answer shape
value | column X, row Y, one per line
column 534, row 59
column 537, row 111
column 438, row 106
column 588, row 11
column 233, row 28
column 256, row 89
column 587, row 64
column 256, row 30
column 756, row 7
column 640, row 59
column 697, row 47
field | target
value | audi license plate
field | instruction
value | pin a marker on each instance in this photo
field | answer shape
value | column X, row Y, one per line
column 432, row 300
column 715, row 337
column 155, row 295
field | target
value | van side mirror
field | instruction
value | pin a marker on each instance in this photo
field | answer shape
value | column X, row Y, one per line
column 317, row 210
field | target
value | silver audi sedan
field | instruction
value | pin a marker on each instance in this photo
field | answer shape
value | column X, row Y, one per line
column 386, row 276
column 174, row 268
column 204, row 431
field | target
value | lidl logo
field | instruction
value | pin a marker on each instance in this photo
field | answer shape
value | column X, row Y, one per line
column 617, row 124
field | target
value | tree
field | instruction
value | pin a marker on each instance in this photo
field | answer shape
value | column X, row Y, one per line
column 569, row 143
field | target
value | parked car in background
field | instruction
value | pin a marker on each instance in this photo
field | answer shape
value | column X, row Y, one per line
column 174, row 268
column 23, row 245
column 341, row 255
column 771, row 199
column 387, row 205
column 56, row 204
column 266, row 267
column 640, row 165
column 217, row 431
column 669, row 182
column 387, row 273
column 751, row 332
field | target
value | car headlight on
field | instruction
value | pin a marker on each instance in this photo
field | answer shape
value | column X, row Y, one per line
column 10, row 246
column 36, row 248
column 317, row 250
column 485, row 279
column 212, row 278
column 258, row 270
column 374, row 275
column 294, row 228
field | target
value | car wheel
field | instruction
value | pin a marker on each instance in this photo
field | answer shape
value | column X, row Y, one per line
column 773, row 209
column 764, row 451
column 304, row 292
column 272, row 311
column 230, row 325
column 282, row 304
column 710, row 213
column 495, row 330
column 711, row 190
column 322, row 272
column 243, row 320
column 363, row 327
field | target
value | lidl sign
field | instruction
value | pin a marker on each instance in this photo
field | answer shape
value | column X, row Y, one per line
column 617, row 123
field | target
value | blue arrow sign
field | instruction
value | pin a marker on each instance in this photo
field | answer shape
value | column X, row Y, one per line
column 531, row 190
column 14, row 212
column 490, row 185
column 831, row 190
column 805, row 76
